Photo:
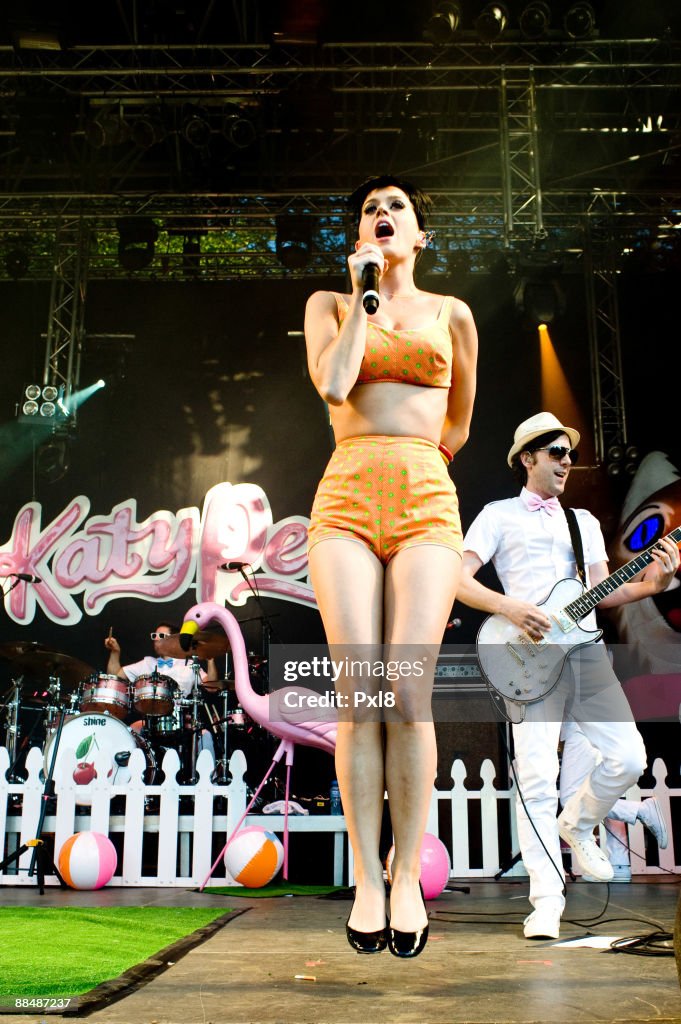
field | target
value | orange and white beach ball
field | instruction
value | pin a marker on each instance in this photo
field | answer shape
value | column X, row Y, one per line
column 87, row 860
column 253, row 857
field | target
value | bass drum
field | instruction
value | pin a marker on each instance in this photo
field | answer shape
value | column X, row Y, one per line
column 89, row 734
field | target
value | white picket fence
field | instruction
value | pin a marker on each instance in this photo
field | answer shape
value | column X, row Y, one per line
column 180, row 828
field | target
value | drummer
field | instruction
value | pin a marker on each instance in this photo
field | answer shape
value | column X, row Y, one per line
column 177, row 669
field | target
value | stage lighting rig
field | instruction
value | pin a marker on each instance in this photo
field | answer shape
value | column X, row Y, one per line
column 39, row 405
column 443, row 22
column 535, row 20
column 538, row 294
column 580, row 21
column 136, row 242
column 294, row 240
column 196, row 128
column 491, row 23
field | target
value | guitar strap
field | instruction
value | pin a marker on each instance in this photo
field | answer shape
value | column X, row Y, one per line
column 576, row 538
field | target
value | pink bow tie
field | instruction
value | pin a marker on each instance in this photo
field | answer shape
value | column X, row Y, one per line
column 550, row 505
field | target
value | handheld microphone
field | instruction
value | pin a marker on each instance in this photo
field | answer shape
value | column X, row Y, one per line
column 234, row 565
column 25, row 577
column 370, row 278
column 453, row 624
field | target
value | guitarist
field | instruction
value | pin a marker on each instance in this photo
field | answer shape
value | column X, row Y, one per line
column 528, row 541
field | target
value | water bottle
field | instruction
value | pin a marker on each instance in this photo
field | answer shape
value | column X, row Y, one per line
column 335, row 799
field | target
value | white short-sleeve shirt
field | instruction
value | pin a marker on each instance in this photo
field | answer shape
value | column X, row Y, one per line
column 175, row 668
column 532, row 550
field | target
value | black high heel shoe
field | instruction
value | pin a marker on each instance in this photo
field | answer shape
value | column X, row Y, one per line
column 408, row 944
column 367, row 942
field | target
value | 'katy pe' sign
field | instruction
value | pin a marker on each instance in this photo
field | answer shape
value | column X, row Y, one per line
column 115, row 556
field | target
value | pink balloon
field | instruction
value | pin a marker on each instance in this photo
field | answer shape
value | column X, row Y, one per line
column 435, row 865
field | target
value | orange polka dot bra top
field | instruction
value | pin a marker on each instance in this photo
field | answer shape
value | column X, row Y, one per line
column 417, row 355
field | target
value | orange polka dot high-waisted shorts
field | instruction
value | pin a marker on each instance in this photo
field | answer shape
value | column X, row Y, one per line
column 388, row 493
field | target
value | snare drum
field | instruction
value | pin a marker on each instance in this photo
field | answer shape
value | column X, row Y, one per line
column 87, row 735
column 153, row 695
column 103, row 693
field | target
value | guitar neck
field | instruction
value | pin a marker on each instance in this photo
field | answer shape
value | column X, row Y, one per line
column 590, row 598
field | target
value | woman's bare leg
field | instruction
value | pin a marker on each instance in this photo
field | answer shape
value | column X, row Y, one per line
column 420, row 588
column 348, row 585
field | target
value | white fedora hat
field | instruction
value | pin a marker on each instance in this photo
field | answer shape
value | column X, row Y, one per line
column 541, row 423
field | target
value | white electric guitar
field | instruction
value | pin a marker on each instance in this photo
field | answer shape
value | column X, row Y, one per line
column 524, row 670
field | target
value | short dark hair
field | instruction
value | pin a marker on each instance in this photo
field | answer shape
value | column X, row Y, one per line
column 168, row 625
column 519, row 471
column 421, row 202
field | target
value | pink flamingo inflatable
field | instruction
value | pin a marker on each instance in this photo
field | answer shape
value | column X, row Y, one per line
column 286, row 724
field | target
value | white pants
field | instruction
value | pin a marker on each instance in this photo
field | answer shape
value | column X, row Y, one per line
column 590, row 693
column 578, row 760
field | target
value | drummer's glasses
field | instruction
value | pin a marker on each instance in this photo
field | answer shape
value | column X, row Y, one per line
column 159, row 636
column 559, row 451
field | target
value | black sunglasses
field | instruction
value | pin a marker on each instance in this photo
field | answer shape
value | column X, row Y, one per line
column 559, row 451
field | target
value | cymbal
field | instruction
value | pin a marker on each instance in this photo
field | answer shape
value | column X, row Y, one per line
column 228, row 685
column 70, row 671
column 16, row 648
column 205, row 645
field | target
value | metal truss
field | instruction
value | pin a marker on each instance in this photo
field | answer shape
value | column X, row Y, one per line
column 65, row 327
column 607, row 384
column 209, row 70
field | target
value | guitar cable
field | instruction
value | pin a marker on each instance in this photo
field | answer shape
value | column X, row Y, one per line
column 557, row 869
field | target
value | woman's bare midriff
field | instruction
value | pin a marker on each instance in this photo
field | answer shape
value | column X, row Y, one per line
column 384, row 407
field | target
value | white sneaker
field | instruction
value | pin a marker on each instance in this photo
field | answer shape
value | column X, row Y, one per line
column 590, row 857
column 621, row 873
column 650, row 813
column 544, row 921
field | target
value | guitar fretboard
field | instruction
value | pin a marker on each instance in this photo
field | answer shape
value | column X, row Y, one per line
column 590, row 598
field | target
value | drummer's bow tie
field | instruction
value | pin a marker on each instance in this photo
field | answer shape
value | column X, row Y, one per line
column 164, row 661
column 550, row 505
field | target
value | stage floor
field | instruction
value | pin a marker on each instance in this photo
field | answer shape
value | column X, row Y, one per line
column 477, row 966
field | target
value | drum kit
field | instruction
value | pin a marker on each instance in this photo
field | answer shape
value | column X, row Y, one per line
column 100, row 712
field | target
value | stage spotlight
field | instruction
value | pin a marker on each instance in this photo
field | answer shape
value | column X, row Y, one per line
column 540, row 298
column 136, row 243
column 99, row 384
column 147, row 130
column 443, row 22
column 579, row 22
column 52, row 460
column 17, row 262
column 294, row 240
column 107, row 128
column 240, row 131
column 631, row 459
column 491, row 22
column 39, row 404
column 535, row 20
column 195, row 127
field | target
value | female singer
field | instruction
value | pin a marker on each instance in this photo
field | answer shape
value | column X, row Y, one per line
column 385, row 538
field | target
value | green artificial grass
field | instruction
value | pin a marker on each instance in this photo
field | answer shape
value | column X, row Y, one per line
column 273, row 889
column 59, row 952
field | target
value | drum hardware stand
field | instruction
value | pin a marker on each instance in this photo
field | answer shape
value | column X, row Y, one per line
column 39, row 858
column 12, row 707
column 195, row 723
column 222, row 775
